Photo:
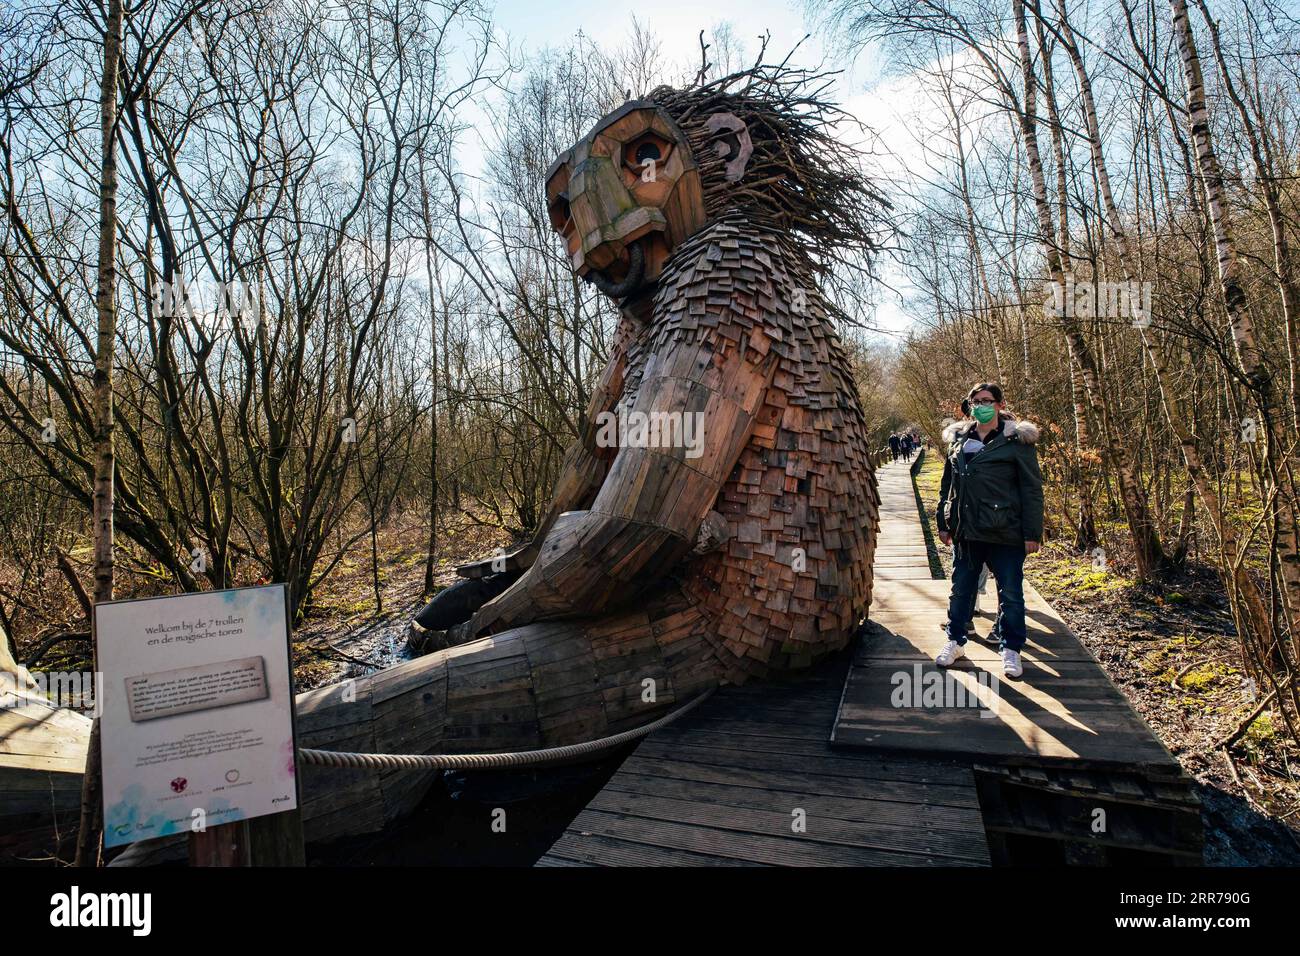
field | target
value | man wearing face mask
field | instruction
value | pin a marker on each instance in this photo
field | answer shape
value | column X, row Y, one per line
column 991, row 511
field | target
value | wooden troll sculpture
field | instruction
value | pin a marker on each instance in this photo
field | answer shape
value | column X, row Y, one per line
column 725, row 527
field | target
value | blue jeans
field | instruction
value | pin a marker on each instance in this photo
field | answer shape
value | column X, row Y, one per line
column 1007, row 562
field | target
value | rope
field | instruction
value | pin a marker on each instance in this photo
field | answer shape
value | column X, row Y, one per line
column 524, row 758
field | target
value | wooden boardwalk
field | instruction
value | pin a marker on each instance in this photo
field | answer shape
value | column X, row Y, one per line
column 901, row 553
column 876, row 783
column 42, row 755
column 1064, row 708
column 723, row 787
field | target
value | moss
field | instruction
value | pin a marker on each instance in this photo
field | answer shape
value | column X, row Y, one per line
column 1261, row 731
column 929, row 478
column 925, row 484
column 1199, row 678
column 1156, row 664
column 1076, row 575
column 1170, row 656
column 1206, row 676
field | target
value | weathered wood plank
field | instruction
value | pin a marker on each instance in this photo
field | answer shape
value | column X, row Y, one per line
column 727, row 790
column 938, row 777
column 753, row 847
column 905, row 792
column 723, row 782
column 587, row 849
column 37, row 737
column 967, row 844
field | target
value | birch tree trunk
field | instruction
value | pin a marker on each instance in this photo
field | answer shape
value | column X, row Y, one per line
column 1250, row 358
column 88, row 837
column 986, row 312
column 1085, row 538
column 1191, row 454
column 434, row 383
column 1147, row 551
column 1261, row 154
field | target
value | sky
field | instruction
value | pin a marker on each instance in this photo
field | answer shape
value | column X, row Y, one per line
column 885, row 104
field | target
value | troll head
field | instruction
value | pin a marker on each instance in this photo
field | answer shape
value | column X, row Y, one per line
column 656, row 170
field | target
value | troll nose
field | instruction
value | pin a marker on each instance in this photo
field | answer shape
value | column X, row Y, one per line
column 605, row 214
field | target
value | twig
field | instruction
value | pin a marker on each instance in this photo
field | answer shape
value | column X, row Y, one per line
column 343, row 654
column 1246, row 722
column 57, row 638
column 74, row 582
column 703, row 72
column 1232, row 768
column 1177, row 677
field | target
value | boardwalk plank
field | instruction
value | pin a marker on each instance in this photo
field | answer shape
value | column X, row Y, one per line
column 732, row 788
column 752, row 847
column 964, row 845
column 587, row 849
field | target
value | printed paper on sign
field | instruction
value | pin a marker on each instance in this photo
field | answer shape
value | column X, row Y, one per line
column 188, row 689
column 198, row 711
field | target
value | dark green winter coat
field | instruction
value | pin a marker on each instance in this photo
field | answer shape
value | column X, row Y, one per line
column 998, row 496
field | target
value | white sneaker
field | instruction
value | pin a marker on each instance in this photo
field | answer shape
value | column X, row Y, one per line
column 1011, row 666
column 948, row 656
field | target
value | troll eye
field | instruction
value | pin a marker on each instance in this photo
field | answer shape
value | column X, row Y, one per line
column 650, row 147
column 559, row 212
column 557, row 193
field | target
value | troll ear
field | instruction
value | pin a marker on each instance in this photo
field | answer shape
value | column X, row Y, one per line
column 731, row 142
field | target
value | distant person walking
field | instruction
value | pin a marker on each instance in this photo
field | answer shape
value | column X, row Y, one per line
column 895, row 445
column 991, row 512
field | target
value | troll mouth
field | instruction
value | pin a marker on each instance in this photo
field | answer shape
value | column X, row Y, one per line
column 629, row 283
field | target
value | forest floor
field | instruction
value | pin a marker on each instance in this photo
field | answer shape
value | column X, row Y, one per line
column 1172, row 650
column 347, row 633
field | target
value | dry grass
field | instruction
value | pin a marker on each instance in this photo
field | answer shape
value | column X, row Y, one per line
column 344, row 624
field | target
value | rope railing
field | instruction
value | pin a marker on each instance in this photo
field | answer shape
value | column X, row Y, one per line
column 524, row 758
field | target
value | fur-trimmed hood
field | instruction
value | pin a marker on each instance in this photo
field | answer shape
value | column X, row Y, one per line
column 1027, row 432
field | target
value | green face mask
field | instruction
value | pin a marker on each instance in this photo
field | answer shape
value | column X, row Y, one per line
column 984, row 413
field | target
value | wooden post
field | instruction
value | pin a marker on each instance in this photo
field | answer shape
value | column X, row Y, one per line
column 274, row 840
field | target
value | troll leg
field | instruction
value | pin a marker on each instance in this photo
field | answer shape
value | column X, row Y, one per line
column 542, row 685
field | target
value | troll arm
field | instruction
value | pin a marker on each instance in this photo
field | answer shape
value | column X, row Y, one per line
column 649, row 509
column 584, row 469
